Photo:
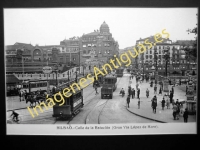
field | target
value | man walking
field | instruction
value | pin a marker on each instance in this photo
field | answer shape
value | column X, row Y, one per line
column 132, row 93
column 163, row 103
column 138, row 93
column 138, row 103
column 128, row 100
column 185, row 115
column 171, row 96
column 172, row 90
column 155, row 89
column 154, row 105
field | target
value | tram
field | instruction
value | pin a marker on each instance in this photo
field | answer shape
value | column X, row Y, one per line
column 32, row 86
column 71, row 107
column 119, row 72
column 109, row 85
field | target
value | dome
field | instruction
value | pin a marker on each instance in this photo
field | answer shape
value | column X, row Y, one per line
column 104, row 28
column 104, row 25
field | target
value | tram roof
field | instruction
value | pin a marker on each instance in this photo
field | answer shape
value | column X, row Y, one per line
column 110, row 76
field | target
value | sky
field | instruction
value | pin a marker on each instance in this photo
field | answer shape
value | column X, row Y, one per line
column 49, row 26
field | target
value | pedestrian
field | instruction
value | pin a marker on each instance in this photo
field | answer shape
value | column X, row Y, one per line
column 173, row 102
column 167, row 102
column 179, row 81
column 163, row 103
column 53, row 90
column 174, row 111
column 138, row 103
column 185, row 115
column 132, row 93
column 128, row 100
column 95, row 87
column 147, row 93
column 171, row 96
column 154, row 105
column 178, row 108
column 138, row 93
column 172, row 90
column 155, row 89
column 20, row 95
column 160, row 91
column 25, row 94
column 129, row 90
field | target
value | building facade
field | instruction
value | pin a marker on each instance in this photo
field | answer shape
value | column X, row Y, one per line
column 154, row 58
column 26, row 58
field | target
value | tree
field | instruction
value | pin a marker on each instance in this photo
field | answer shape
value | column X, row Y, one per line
column 191, row 52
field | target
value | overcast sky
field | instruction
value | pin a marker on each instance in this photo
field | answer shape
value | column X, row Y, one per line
column 49, row 26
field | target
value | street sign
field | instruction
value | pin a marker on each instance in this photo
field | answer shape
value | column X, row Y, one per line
column 47, row 69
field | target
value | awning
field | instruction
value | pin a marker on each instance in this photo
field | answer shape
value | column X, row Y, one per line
column 10, row 78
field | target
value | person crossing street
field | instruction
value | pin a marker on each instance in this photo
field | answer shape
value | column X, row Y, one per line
column 128, row 100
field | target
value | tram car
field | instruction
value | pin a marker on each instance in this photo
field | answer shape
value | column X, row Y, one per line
column 109, row 86
column 119, row 72
column 71, row 107
column 32, row 86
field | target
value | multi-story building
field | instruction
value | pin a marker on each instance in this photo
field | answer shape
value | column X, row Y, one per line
column 101, row 44
column 26, row 58
column 153, row 59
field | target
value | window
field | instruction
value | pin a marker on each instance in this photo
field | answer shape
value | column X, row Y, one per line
column 159, row 47
column 159, row 51
column 150, row 56
column 150, row 52
column 146, row 56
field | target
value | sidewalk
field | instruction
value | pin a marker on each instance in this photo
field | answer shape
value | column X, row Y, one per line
column 146, row 111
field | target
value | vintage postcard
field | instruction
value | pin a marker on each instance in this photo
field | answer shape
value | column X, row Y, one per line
column 100, row 71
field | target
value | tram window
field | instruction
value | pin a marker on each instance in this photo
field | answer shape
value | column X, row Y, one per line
column 25, row 86
column 33, row 85
column 67, row 101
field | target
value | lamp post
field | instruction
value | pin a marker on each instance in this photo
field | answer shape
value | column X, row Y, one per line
column 156, row 66
column 166, row 57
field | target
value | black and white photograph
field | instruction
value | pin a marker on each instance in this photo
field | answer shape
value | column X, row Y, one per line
column 101, row 71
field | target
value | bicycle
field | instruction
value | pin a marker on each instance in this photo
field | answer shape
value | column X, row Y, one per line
column 13, row 120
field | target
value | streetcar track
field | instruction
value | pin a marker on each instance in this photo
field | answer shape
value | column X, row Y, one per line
column 101, row 112
column 86, row 118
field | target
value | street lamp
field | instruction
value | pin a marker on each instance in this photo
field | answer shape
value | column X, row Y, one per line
column 155, row 60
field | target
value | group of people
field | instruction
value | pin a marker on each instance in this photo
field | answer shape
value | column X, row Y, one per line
column 23, row 95
column 132, row 92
